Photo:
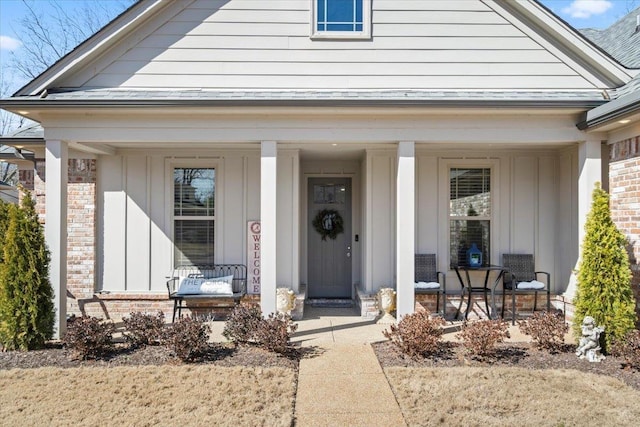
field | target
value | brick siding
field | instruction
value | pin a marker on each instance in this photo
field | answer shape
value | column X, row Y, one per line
column 81, row 221
column 624, row 186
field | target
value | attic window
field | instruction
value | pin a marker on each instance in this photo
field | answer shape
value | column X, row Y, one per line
column 340, row 19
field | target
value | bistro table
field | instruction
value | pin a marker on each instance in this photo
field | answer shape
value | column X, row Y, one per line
column 469, row 288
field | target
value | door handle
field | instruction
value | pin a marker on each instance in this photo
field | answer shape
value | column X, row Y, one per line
column 348, row 251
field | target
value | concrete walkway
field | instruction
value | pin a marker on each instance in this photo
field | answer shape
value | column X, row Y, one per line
column 342, row 383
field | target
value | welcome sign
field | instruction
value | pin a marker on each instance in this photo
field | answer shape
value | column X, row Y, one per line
column 253, row 257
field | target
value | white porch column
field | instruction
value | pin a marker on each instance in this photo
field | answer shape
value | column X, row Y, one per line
column 268, row 219
column 57, row 161
column 405, row 228
column 589, row 172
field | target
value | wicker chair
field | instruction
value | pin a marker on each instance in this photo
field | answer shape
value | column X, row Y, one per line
column 428, row 280
column 520, row 277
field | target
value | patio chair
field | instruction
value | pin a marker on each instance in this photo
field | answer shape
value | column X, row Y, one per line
column 520, row 277
column 430, row 281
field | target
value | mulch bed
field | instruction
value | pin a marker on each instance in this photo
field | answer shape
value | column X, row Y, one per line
column 511, row 355
column 219, row 354
column 518, row 355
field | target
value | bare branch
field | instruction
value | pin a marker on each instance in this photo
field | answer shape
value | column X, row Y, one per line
column 50, row 30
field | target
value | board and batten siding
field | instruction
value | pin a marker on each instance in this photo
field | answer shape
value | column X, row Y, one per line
column 534, row 206
column 266, row 45
column 135, row 250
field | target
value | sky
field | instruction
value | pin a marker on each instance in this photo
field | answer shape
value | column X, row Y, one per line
column 579, row 13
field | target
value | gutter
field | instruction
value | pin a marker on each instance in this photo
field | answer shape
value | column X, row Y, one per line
column 186, row 103
column 611, row 111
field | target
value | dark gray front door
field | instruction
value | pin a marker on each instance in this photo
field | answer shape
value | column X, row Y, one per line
column 329, row 262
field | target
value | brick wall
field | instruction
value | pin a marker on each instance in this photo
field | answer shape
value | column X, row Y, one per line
column 624, row 186
column 81, row 231
column 81, row 220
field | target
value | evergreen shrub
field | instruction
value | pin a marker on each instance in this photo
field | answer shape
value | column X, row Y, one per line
column 26, row 296
column 604, row 277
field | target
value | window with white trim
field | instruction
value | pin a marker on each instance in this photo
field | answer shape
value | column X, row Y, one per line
column 194, row 216
column 341, row 18
column 469, row 213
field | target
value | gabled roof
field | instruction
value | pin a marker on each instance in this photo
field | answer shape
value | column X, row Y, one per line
column 114, row 31
column 621, row 40
column 533, row 20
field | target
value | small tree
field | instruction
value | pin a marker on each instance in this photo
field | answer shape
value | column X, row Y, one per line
column 604, row 277
column 26, row 296
column 4, row 223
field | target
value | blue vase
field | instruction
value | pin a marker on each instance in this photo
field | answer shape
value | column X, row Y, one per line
column 474, row 256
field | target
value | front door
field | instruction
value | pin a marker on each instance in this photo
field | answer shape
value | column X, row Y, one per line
column 329, row 231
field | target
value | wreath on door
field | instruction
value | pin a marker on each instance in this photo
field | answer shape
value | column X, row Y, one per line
column 328, row 223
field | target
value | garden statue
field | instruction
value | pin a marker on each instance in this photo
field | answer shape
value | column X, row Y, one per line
column 285, row 300
column 589, row 345
column 386, row 299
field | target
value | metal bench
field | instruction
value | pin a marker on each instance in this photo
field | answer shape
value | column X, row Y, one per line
column 180, row 300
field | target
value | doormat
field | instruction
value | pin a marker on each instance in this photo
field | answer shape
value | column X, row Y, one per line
column 330, row 303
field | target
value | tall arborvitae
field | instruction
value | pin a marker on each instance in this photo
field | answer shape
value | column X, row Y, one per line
column 26, row 296
column 4, row 223
column 604, row 276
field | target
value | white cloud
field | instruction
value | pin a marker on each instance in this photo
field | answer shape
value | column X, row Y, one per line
column 9, row 43
column 585, row 8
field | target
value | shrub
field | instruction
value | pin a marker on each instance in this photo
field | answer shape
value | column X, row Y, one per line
column 26, row 296
column 144, row 329
column 243, row 323
column 274, row 332
column 628, row 348
column 188, row 338
column 89, row 337
column 480, row 338
column 604, row 277
column 547, row 330
column 246, row 325
column 417, row 334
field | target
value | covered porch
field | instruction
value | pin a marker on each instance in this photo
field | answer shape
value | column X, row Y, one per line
column 399, row 163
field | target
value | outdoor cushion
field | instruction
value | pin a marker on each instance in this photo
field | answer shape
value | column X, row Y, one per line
column 427, row 285
column 534, row 284
column 216, row 287
column 201, row 285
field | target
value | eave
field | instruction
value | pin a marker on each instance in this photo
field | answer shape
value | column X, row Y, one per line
column 626, row 107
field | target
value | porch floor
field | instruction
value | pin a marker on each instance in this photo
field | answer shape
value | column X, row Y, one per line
column 330, row 325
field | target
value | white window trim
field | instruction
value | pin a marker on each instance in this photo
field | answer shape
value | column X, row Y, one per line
column 328, row 35
column 213, row 163
column 444, row 190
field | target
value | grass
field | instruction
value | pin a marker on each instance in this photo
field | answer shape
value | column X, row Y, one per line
column 147, row 396
column 511, row 396
column 223, row 396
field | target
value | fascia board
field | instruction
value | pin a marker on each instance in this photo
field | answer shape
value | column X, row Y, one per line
column 589, row 54
column 95, row 45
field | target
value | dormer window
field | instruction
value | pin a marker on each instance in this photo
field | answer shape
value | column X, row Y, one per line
column 340, row 19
